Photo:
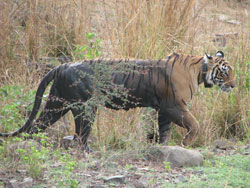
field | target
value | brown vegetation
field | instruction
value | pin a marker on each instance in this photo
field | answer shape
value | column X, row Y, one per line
column 31, row 29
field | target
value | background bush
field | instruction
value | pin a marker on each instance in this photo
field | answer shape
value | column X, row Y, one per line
column 31, row 30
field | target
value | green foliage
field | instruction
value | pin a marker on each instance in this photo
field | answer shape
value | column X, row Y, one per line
column 242, row 72
column 34, row 156
column 128, row 166
column 13, row 112
column 151, row 182
column 67, row 178
column 225, row 171
column 167, row 166
column 89, row 51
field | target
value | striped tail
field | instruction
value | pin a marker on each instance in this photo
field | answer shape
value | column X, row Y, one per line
column 38, row 99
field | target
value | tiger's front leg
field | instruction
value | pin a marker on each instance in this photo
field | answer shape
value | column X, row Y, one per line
column 164, row 124
column 183, row 117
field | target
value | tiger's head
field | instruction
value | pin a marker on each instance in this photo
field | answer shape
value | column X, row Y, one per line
column 217, row 71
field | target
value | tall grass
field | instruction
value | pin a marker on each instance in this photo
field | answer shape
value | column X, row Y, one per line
column 33, row 29
column 139, row 29
column 149, row 29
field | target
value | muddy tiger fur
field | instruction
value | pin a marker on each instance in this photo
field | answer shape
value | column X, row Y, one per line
column 166, row 85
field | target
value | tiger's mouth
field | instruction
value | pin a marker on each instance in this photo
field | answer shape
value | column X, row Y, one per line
column 225, row 88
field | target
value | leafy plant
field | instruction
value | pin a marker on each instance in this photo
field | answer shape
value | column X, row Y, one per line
column 89, row 51
column 128, row 166
column 64, row 176
column 167, row 166
column 34, row 158
column 13, row 112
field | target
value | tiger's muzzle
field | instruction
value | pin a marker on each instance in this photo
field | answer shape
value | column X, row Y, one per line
column 227, row 86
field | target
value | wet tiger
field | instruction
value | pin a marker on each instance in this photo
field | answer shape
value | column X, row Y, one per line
column 166, row 85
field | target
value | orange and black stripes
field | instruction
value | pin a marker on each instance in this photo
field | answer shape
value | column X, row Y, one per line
column 154, row 76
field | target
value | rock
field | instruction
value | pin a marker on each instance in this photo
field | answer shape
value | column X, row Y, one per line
column 223, row 145
column 180, row 179
column 176, row 155
column 247, row 147
column 68, row 141
column 96, row 186
column 27, row 182
column 22, row 171
column 138, row 184
column 14, row 183
column 246, row 153
column 246, row 150
column 219, row 144
column 154, row 154
column 142, row 182
column 115, row 179
column 199, row 172
column 26, row 145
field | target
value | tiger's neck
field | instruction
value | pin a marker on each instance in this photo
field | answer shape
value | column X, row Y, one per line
column 202, row 78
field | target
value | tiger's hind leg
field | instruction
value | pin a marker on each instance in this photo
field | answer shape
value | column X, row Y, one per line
column 83, row 121
column 183, row 117
column 165, row 125
column 53, row 111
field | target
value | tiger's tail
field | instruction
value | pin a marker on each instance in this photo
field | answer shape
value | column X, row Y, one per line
column 38, row 99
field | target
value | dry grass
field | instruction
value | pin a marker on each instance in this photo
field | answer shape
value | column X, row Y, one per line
column 33, row 29
column 141, row 29
column 147, row 29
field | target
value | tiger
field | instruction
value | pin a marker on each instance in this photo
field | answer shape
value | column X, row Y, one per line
column 166, row 85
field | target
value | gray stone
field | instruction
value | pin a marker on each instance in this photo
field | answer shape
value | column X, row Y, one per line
column 199, row 172
column 176, row 155
column 22, row 171
column 96, row 186
column 245, row 150
column 180, row 179
column 246, row 153
column 14, row 183
column 247, row 147
column 68, row 141
column 142, row 182
column 27, row 182
column 138, row 184
column 220, row 144
column 223, row 145
column 26, row 145
column 115, row 179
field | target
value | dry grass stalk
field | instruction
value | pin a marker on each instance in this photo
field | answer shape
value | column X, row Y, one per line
column 140, row 29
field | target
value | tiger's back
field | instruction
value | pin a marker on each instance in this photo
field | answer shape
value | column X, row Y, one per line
column 155, row 82
column 166, row 85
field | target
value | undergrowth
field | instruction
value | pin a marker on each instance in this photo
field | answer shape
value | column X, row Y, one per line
column 141, row 29
column 226, row 171
column 136, row 29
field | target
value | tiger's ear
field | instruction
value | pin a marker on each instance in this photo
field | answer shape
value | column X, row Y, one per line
column 207, row 58
column 219, row 54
